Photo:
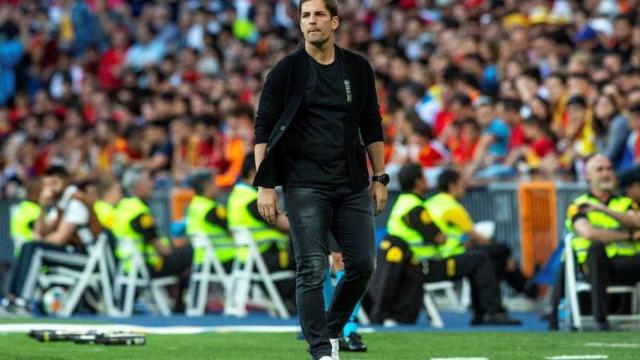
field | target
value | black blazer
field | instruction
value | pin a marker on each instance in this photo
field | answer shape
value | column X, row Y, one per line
column 282, row 94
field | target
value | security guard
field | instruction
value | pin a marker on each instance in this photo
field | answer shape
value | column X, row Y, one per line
column 134, row 221
column 604, row 225
column 109, row 193
column 273, row 240
column 24, row 218
column 456, row 223
column 207, row 217
column 411, row 222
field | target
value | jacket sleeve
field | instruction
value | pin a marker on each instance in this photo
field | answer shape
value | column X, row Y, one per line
column 271, row 103
column 371, row 122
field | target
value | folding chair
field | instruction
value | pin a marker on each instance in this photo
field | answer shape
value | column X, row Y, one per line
column 211, row 270
column 128, row 280
column 249, row 270
column 96, row 271
column 574, row 286
column 455, row 302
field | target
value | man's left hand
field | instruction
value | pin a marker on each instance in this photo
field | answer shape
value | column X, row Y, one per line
column 379, row 194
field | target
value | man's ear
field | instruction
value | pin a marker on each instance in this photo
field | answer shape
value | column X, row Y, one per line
column 335, row 22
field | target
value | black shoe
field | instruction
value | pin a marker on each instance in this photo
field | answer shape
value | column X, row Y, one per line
column 353, row 343
column 498, row 318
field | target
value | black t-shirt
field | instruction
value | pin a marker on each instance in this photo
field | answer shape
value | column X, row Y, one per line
column 313, row 151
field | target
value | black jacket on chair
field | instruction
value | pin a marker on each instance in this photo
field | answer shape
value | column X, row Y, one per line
column 282, row 95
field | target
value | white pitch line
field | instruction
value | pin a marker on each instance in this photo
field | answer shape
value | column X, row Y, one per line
column 176, row 330
column 458, row 358
column 577, row 357
column 613, row 345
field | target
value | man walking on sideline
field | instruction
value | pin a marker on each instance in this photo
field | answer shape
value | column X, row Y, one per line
column 318, row 113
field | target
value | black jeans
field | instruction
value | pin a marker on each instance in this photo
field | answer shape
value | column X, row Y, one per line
column 348, row 215
column 476, row 265
column 602, row 271
column 500, row 254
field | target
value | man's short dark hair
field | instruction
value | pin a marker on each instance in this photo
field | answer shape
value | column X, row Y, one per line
column 408, row 175
column 57, row 170
column 447, row 178
column 248, row 165
column 331, row 5
column 199, row 181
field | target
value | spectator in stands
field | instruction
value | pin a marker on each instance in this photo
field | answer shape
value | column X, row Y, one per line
column 66, row 225
column 605, row 228
column 633, row 141
column 611, row 128
column 539, row 153
column 493, row 145
column 579, row 142
column 410, row 255
column 456, row 223
column 135, row 222
column 272, row 240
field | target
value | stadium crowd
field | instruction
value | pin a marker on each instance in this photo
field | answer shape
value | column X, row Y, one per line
column 499, row 89
column 149, row 94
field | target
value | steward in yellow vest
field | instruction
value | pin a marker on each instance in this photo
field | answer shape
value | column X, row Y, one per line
column 207, row 217
column 604, row 226
column 456, row 223
column 400, row 275
column 135, row 222
column 273, row 241
column 109, row 193
column 22, row 223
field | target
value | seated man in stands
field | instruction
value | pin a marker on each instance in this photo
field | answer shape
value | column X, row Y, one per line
column 134, row 221
column 273, row 241
column 456, row 223
column 605, row 227
column 410, row 256
column 66, row 225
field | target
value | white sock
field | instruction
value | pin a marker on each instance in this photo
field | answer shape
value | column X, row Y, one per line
column 335, row 347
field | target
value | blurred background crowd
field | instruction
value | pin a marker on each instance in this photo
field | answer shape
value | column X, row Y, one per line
column 500, row 89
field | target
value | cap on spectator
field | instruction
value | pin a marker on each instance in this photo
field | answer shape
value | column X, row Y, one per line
column 482, row 101
column 585, row 33
column 602, row 25
column 577, row 100
column 634, row 108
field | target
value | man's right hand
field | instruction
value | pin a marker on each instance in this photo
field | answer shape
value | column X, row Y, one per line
column 268, row 204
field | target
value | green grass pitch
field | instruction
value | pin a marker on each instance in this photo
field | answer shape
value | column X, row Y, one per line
column 382, row 346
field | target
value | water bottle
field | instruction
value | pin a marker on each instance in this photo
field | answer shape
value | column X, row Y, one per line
column 563, row 315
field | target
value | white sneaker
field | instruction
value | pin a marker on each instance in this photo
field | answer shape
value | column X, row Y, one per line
column 326, row 358
column 335, row 347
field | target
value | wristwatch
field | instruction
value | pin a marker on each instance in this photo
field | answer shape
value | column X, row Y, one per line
column 383, row 179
